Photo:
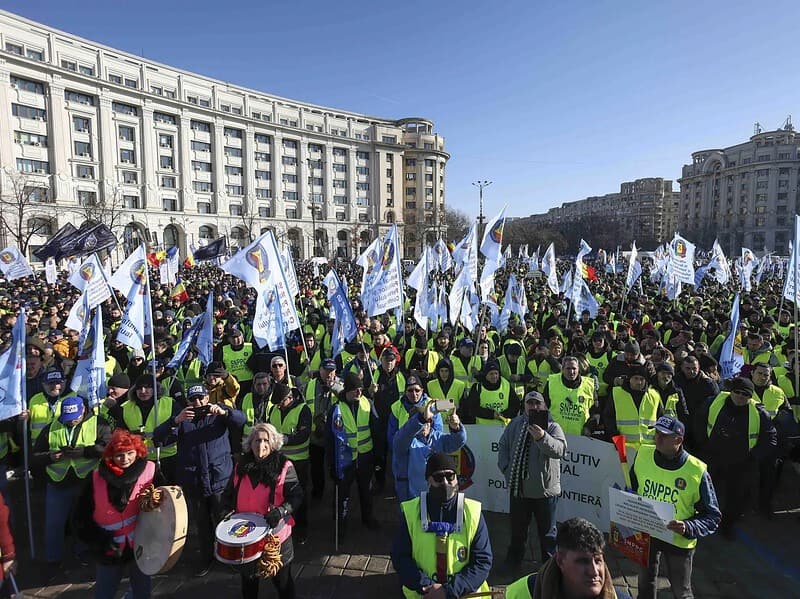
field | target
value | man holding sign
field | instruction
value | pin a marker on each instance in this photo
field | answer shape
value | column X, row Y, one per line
column 667, row 472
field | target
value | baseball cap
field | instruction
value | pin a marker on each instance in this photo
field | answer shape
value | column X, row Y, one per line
column 669, row 426
column 328, row 364
column 71, row 409
column 466, row 342
column 53, row 376
column 534, row 396
column 196, row 391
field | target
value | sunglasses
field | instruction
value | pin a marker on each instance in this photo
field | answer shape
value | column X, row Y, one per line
column 278, row 366
column 439, row 477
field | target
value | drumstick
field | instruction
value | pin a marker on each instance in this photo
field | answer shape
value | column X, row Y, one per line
column 495, row 593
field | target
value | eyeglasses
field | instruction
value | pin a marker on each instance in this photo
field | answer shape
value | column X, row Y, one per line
column 438, row 477
column 278, row 366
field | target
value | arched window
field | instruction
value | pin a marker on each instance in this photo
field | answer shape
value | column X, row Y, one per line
column 170, row 236
column 206, row 232
column 390, row 216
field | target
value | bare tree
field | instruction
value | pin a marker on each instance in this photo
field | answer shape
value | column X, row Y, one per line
column 457, row 223
column 107, row 209
column 20, row 208
column 249, row 224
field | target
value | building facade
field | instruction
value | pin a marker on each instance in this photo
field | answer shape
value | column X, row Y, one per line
column 744, row 195
column 177, row 159
column 644, row 210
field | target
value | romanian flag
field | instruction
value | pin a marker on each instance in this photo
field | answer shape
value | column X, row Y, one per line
column 588, row 272
column 189, row 261
column 179, row 293
column 152, row 259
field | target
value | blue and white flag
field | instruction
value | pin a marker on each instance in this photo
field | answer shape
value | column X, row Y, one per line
column 189, row 339
column 383, row 289
column 515, row 301
column 442, row 256
column 718, row 261
column 419, row 276
column 791, row 290
column 763, row 266
column 79, row 314
column 585, row 300
column 136, row 320
column 168, row 269
column 748, row 262
column 205, row 338
column 131, row 272
column 288, row 270
column 13, row 372
column 343, row 453
column 91, row 280
column 566, row 284
column 493, row 238
column 89, row 379
column 345, row 325
column 731, row 359
column 13, row 264
column 369, row 260
column 268, row 326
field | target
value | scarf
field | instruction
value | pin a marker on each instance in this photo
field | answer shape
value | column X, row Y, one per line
column 264, row 471
column 548, row 583
column 120, row 481
column 519, row 463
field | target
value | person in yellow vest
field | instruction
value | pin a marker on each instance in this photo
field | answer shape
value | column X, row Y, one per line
column 107, row 510
column 116, row 393
column 309, row 359
column 578, row 570
column 541, row 366
column 386, row 388
column 774, row 401
column 738, row 433
column 291, row 417
column 254, row 405
column 421, row 361
column 445, row 385
column 492, row 400
column 570, row 397
column 45, row 406
column 67, row 451
column 138, row 415
column 667, row 472
column 320, row 393
column 442, row 547
column 234, row 356
column 353, row 428
column 466, row 365
column 633, row 409
column 513, row 367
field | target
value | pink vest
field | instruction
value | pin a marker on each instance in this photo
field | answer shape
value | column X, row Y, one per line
column 121, row 524
column 256, row 500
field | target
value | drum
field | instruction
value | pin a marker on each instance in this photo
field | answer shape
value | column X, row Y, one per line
column 240, row 538
column 161, row 533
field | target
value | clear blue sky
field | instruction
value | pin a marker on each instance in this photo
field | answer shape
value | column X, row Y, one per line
column 551, row 103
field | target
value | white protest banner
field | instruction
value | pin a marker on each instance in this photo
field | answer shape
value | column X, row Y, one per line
column 588, row 468
column 478, row 474
column 641, row 514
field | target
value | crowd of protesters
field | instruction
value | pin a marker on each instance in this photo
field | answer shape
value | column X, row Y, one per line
column 640, row 358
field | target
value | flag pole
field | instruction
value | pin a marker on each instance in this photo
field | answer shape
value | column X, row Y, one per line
column 25, row 452
column 796, row 268
column 149, row 308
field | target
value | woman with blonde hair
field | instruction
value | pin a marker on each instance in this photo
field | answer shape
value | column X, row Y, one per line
column 265, row 482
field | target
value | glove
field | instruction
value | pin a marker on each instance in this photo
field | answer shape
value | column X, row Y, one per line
column 274, row 516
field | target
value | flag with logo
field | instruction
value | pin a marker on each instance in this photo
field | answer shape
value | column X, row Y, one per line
column 51, row 271
column 718, row 261
column 91, row 279
column 731, row 359
column 763, row 265
column 748, row 262
column 13, row 371
column 268, row 326
column 465, row 255
column 52, row 248
column 89, row 378
column 288, row 269
column 442, row 256
column 681, row 260
column 13, row 264
column 493, row 237
column 383, row 289
column 549, row 268
column 345, row 326
column 136, row 323
column 791, row 291
column 584, row 299
column 131, row 272
column 79, row 314
column 215, row 249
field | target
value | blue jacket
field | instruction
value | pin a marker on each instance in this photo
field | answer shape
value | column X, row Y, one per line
column 410, row 454
column 394, row 425
column 203, row 462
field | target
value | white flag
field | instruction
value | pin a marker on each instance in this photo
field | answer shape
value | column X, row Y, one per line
column 681, row 260
column 131, row 272
column 493, row 237
column 549, row 268
column 791, row 291
column 50, row 271
column 13, row 264
column 633, row 275
column 91, row 279
column 288, row 270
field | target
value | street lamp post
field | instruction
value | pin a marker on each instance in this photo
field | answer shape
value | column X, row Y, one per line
column 480, row 185
column 312, row 205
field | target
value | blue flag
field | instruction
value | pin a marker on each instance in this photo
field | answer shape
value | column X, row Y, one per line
column 189, row 339
column 731, row 359
column 89, row 379
column 345, row 327
column 205, row 338
column 343, row 453
column 268, row 325
column 12, row 372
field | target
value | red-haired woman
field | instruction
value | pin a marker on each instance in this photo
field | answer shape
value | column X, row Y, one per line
column 105, row 516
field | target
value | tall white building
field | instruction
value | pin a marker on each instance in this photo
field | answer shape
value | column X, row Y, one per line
column 175, row 158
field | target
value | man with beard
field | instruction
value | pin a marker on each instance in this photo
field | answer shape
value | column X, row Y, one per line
column 442, row 546
column 291, row 417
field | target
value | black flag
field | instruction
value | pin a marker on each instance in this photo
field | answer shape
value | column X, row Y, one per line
column 51, row 248
column 216, row 248
column 88, row 239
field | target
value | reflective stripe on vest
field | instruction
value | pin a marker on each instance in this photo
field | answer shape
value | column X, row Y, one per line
column 456, row 391
column 680, row 487
column 464, row 373
column 635, row 424
column 287, row 426
column 132, row 416
column 496, row 400
column 423, row 544
column 57, row 440
column 357, row 430
column 671, row 405
column 107, row 517
column 256, row 500
column 519, row 368
column 570, row 407
column 41, row 414
column 753, row 419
